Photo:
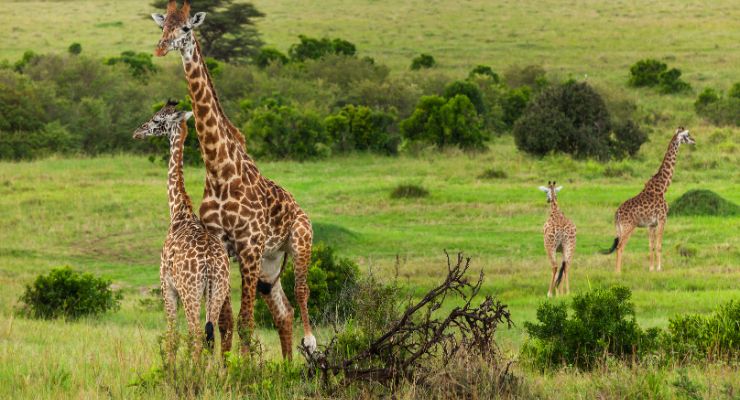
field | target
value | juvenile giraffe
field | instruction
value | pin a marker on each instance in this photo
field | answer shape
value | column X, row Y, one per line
column 194, row 263
column 649, row 208
column 560, row 234
column 258, row 220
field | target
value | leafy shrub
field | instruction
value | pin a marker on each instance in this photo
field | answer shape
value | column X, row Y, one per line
column 646, row 72
column 716, row 335
column 53, row 138
column 602, row 323
column 703, row 202
column 718, row 109
column 670, row 82
column 66, row 293
column 453, row 122
column 572, row 118
column 468, row 89
column 314, row 49
column 140, row 64
column 651, row 72
column 343, row 71
column 533, row 76
column 422, row 61
column 75, row 48
column 409, row 191
column 360, row 128
column 514, row 103
column 268, row 55
column 332, row 281
column 21, row 103
column 282, row 131
column 484, row 70
column 27, row 58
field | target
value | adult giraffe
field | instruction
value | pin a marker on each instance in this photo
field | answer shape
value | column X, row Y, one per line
column 258, row 220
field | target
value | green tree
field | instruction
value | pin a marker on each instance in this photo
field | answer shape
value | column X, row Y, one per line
column 423, row 61
column 228, row 32
column 361, row 128
column 314, row 49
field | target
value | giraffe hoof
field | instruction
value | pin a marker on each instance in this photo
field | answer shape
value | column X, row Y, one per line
column 309, row 342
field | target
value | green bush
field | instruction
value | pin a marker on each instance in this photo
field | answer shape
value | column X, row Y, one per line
column 602, row 324
column 670, row 82
column 363, row 129
column 66, row 293
column 422, row 61
column 453, row 122
column 313, row 49
column 268, row 55
column 331, row 279
column 342, row 71
column 718, row 109
column 514, row 103
column 533, row 76
column 484, row 70
column 140, row 64
column 714, row 336
column 284, row 132
column 493, row 173
column 468, row 89
column 75, row 48
column 705, row 98
column 21, row 103
column 646, row 72
column 409, row 191
column 572, row 118
column 53, row 138
column 703, row 202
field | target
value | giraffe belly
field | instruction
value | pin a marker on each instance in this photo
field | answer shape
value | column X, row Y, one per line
column 271, row 266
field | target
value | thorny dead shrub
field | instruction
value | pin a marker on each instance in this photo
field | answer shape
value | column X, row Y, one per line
column 423, row 340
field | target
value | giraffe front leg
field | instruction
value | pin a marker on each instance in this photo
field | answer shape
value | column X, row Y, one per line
column 554, row 266
column 625, row 233
column 300, row 246
column 250, row 259
column 651, row 237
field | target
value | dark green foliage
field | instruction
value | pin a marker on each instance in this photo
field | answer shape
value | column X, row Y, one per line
column 529, row 75
column 69, row 294
column 572, row 118
column 332, row 281
column 513, row 104
column 28, row 57
column 650, row 72
column 485, row 70
column 268, row 55
column 282, row 131
column 646, row 72
column 140, row 64
column 718, row 109
column 670, row 82
column 21, row 103
column 361, row 128
column 453, row 122
column 602, row 323
column 703, row 202
column 215, row 67
column 53, row 138
column 409, row 191
column 313, row 49
column 75, row 48
column 343, row 71
column 228, row 32
column 713, row 336
column 470, row 90
column 423, row 61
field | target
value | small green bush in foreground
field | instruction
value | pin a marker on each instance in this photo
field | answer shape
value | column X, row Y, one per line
column 64, row 292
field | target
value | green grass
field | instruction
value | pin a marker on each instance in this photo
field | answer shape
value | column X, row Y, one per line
column 109, row 215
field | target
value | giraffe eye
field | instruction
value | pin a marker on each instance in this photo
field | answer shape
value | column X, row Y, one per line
column 186, row 29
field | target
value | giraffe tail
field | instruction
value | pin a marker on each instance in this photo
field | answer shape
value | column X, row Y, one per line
column 560, row 275
column 614, row 246
column 210, row 337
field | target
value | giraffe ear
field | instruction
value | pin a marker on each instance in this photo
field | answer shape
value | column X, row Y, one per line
column 557, row 189
column 197, row 19
column 159, row 19
column 544, row 189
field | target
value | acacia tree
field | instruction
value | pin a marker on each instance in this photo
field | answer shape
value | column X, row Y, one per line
column 228, row 32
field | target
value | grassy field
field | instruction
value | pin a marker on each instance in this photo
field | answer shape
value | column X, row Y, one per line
column 108, row 215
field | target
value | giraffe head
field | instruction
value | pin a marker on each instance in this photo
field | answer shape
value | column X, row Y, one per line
column 551, row 191
column 165, row 122
column 682, row 135
column 177, row 29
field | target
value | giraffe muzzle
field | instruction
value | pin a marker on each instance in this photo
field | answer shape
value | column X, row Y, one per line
column 162, row 48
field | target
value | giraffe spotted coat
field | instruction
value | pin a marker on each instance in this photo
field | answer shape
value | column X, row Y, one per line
column 559, row 235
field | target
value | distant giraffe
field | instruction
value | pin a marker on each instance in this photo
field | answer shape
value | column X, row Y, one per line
column 649, row 208
column 560, row 234
column 194, row 263
column 258, row 220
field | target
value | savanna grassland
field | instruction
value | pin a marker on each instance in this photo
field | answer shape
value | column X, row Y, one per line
column 108, row 214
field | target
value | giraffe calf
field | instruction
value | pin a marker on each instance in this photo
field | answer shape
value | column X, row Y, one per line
column 194, row 263
column 560, row 234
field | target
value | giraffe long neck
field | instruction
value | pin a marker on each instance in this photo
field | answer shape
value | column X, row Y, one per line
column 659, row 183
column 554, row 209
column 219, row 140
column 180, row 204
